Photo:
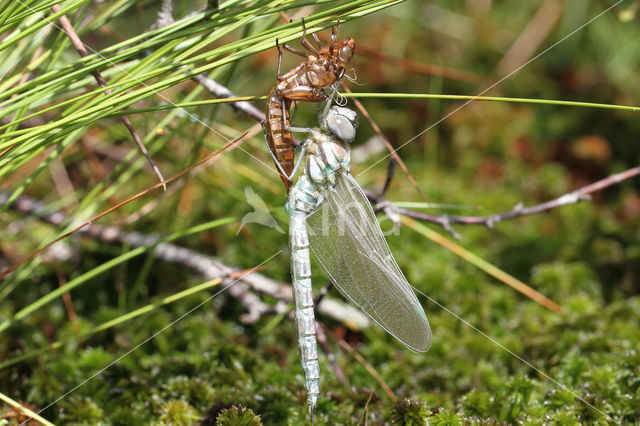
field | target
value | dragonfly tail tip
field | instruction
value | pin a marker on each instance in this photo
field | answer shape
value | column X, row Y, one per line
column 312, row 408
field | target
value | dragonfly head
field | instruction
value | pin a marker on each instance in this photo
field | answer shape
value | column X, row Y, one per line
column 342, row 122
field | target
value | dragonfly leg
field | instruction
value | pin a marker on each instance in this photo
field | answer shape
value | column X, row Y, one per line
column 279, row 60
column 294, row 50
column 304, row 93
column 334, row 31
column 323, row 112
column 334, row 37
column 293, row 111
column 303, row 149
column 275, row 160
column 290, row 73
column 279, row 76
column 318, row 203
column 317, row 39
column 299, row 129
column 305, row 43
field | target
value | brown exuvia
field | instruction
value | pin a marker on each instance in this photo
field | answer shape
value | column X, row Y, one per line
column 322, row 68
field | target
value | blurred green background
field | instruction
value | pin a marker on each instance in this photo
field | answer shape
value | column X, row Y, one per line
column 497, row 356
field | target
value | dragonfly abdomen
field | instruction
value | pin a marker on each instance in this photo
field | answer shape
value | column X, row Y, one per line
column 303, row 200
column 303, row 297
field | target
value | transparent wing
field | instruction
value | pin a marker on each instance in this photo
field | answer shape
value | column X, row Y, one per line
column 347, row 241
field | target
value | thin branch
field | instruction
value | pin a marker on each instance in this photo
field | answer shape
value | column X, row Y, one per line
column 206, row 266
column 419, row 67
column 378, row 378
column 393, row 152
column 324, row 344
column 220, row 91
column 527, row 43
column 117, row 206
column 581, row 194
column 82, row 51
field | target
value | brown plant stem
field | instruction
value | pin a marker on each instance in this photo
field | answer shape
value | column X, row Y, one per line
column 419, row 67
column 392, row 150
column 82, row 51
column 580, row 194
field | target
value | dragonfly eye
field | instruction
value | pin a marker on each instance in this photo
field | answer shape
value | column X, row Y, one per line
column 345, row 54
column 342, row 127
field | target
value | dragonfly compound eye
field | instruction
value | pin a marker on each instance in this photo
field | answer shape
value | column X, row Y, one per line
column 342, row 127
column 345, row 54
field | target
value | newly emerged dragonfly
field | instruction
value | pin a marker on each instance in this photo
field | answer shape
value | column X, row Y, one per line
column 322, row 68
column 330, row 216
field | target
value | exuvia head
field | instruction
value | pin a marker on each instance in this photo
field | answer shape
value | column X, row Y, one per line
column 342, row 122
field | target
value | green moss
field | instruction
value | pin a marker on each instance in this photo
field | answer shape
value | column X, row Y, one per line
column 410, row 412
column 446, row 418
column 81, row 410
column 497, row 356
column 177, row 412
column 238, row 416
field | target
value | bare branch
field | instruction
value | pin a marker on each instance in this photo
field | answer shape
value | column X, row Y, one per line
column 220, row 91
column 207, row 266
column 581, row 194
column 324, row 344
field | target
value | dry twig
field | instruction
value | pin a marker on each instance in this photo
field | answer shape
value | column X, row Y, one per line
column 208, row 267
column 533, row 35
column 82, row 51
column 419, row 67
column 393, row 152
column 581, row 194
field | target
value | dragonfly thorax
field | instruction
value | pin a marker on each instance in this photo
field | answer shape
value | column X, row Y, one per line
column 326, row 156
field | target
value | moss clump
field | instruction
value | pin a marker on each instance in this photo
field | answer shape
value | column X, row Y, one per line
column 177, row 412
column 238, row 416
column 81, row 410
column 410, row 413
column 446, row 418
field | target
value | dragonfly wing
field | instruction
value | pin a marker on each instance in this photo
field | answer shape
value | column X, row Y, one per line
column 347, row 241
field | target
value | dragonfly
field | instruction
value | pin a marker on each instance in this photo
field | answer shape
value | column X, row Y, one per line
column 330, row 216
column 323, row 67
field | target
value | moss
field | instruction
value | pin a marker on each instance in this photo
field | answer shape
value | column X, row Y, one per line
column 238, row 416
column 81, row 410
column 446, row 418
column 177, row 412
column 497, row 357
